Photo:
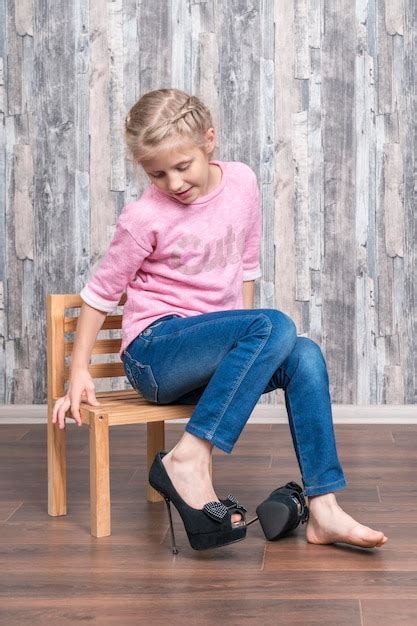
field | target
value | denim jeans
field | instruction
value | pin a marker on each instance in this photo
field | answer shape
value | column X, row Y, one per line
column 223, row 362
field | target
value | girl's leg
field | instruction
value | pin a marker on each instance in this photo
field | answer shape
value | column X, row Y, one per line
column 304, row 378
column 221, row 361
column 225, row 403
column 224, row 361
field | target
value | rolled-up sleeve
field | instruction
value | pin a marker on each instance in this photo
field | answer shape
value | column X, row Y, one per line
column 116, row 269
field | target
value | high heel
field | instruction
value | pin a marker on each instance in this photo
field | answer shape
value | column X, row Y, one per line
column 283, row 510
column 174, row 547
column 209, row 527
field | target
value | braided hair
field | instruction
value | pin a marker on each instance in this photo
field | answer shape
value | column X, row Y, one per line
column 165, row 119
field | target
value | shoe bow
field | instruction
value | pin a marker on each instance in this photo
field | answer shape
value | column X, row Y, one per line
column 218, row 510
column 215, row 510
column 234, row 503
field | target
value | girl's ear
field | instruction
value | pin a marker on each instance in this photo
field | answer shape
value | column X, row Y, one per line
column 211, row 140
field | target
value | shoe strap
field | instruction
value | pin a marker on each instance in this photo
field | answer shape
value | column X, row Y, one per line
column 294, row 490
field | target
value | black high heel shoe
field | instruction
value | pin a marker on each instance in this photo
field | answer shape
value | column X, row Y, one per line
column 282, row 511
column 209, row 527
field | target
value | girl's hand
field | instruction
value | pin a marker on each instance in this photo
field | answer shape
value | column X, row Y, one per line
column 80, row 389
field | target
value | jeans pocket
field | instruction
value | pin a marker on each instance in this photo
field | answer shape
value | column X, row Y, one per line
column 141, row 378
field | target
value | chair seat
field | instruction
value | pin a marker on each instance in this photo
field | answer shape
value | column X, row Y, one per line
column 127, row 407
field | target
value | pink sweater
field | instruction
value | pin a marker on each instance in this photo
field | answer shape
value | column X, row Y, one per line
column 171, row 257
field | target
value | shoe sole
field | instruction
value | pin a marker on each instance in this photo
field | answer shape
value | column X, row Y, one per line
column 216, row 540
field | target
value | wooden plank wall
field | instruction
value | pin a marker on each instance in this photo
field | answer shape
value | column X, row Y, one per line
column 318, row 97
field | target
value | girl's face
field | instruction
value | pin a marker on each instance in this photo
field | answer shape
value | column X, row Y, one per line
column 184, row 174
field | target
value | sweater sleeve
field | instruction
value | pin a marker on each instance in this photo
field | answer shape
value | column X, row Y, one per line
column 251, row 253
column 117, row 268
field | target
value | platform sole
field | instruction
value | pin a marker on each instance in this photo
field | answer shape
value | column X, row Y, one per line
column 216, row 540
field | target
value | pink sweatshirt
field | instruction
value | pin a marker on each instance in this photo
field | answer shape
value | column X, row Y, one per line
column 179, row 258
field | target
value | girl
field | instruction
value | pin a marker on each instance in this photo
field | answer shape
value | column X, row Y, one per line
column 187, row 255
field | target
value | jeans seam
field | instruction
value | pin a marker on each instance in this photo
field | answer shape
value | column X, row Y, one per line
column 303, row 464
column 239, row 381
column 200, row 433
column 178, row 332
column 335, row 482
column 302, row 460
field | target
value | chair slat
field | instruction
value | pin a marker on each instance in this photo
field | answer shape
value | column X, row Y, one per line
column 110, row 322
column 115, row 394
column 101, row 370
column 101, row 346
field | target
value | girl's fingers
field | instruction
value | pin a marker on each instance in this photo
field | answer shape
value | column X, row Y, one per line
column 63, row 404
column 64, row 407
column 75, row 409
column 61, row 407
column 61, row 413
column 56, row 409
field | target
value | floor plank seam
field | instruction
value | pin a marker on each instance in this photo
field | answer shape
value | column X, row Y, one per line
column 13, row 512
column 264, row 557
column 360, row 612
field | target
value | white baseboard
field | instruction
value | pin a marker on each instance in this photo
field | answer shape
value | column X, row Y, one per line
column 262, row 414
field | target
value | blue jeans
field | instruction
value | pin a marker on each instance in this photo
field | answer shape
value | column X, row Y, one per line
column 223, row 362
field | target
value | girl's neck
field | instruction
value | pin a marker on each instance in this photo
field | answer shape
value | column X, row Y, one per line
column 215, row 177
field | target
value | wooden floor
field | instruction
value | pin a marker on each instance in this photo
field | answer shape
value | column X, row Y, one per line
column 53, row 570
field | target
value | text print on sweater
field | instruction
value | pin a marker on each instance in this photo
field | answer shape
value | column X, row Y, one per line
column 216, row 253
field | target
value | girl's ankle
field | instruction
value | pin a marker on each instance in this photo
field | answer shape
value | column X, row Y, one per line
column 200, row 465
column 327, row 500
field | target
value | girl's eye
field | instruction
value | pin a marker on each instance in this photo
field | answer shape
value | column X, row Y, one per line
column 181, row 169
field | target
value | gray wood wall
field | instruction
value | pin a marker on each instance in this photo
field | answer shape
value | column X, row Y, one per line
column 318, row 97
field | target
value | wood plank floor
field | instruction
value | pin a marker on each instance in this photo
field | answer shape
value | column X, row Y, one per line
column 53, row 570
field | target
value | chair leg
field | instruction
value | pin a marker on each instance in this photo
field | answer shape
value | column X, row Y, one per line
column 99, row 476
column 155, row 442
column 57, row 468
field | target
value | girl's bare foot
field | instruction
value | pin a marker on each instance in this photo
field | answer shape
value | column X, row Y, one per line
column 191, row 478
column 328, row 523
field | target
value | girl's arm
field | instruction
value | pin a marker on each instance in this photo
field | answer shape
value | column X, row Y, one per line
column 81, row 384
column 89, row 323
column 248, row 293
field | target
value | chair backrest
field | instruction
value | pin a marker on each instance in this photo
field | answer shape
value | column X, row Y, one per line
column 59, row 347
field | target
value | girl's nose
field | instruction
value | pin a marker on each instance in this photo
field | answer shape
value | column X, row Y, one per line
column 175, row 183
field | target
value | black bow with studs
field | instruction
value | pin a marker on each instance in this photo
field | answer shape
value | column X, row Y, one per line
column 218, row 510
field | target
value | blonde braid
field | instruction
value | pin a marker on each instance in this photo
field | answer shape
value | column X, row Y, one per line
column 190, row 106
column 165, row 118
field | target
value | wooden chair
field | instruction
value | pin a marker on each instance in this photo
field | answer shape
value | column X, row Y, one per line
column 118, row 408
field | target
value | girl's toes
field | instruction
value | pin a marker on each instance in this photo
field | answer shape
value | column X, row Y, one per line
column 370, row 537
